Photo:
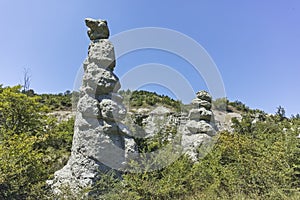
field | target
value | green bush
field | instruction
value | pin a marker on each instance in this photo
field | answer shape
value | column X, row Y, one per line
column 259, row 160
column 239, row 106
column 32, row 145
column 57, row 102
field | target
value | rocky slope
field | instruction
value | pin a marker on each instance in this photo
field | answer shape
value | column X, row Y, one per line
column 196, row 123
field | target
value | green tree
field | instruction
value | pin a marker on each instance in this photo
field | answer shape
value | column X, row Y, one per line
column 32, row 145
column 20, row 113
column 280, row 112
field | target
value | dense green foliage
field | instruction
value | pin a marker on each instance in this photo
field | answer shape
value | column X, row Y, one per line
column 32, row 144
column 259, row 160
column 54, row 102
column 144, row 98
column 61, row 101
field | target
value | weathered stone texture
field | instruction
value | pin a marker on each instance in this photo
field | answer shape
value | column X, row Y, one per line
column 100, row 142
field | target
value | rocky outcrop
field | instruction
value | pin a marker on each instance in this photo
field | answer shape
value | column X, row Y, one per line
column 223, row 119
column 198, row 129
column 100, row 142
column 156, row 121
column 195, row 128
column 98, row 29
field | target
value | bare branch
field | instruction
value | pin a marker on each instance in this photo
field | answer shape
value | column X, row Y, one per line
column 26, row 79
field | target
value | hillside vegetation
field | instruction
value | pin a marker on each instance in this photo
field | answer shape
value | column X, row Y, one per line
column 138, row 99
column 259, row 160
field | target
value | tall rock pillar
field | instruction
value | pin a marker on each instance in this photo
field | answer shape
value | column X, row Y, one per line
column 100, row 142
column 198, row 130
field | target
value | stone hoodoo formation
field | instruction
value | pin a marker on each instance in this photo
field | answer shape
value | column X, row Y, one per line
column 198, row 129
column 100, row 142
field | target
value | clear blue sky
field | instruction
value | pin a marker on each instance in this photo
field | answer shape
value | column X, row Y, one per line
column 254, row 43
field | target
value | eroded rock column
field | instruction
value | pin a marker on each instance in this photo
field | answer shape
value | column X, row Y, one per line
column 198, row 129
column 100, row 142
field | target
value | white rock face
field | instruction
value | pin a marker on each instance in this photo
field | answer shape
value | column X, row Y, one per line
column 111, row 110
column 223, row 120
column 202, row 127
column 98, row 81
column 102, row 54
column 201, row 103
column 156, row 121
column 200, row 114
column 193, row 142
column 100, row 142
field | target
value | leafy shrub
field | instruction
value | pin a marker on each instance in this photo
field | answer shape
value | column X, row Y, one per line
column 259, row 160
column 239, row 106
column 32, row 145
